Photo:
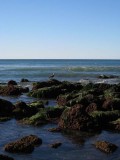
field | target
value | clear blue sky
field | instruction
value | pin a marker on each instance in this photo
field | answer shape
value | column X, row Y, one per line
column 60, row 29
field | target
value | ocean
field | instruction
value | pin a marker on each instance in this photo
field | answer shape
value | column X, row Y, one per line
column 71, row 70
column 75, row 145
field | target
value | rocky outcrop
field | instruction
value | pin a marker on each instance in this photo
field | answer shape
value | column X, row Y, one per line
column 105, row 146
column 24, row 145
column 22, row 110
column 75, row 118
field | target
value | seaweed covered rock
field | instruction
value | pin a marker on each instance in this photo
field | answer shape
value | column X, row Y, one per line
column 24, row 145
column 111, row 104
column 47, row 92
column 102, row 118
column 22, row 110
column 54, row 112
column 52, row 82
column 37, row 104
column 75, row 118
column 38, row 119
column 105, row 146
column 115, row 125
column 10, row 90
column 4, row 157
column 6, row 108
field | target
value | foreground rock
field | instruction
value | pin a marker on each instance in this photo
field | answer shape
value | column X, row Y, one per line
column 4, row 157
column 105, row 146
column 74, row 118
column 24, row 145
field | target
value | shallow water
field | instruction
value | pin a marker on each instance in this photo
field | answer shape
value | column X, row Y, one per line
column 75, row 145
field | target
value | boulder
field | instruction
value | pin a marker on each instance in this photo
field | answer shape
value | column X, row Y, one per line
column 22, row 110
column 111, row 104
column 24, row 145
column 75, row 118
column 105, row 146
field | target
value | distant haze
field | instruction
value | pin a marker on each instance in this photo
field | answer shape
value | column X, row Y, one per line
column 53, row 29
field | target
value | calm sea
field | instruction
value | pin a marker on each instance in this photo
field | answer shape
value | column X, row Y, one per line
column 73, row 70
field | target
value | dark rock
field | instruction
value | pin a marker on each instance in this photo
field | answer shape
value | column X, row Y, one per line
column 106, row 147
column 111, row 104
column 6, row 108
column 75, row 118
column 52, row 82
column 107, row 76
column 55, row 145
column 24, row 80
column 24, row 145
column 10, row 91
column 22, row 110
column 4, row 157
column 92, row 107
column 12, row 82
column 115, row 125
column 38, row 119
column 54, row 112
column 24, row 90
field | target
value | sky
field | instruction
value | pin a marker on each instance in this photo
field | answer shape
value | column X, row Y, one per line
column 65, row 29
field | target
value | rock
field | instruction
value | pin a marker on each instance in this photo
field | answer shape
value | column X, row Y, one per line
column 55, row 145
column 54, row 130
column 22, row 110
column 6, row 108
column 105, row 146
column 10, row 90
column 24, row 145
column 111, row 104
column 115, row 125
column 37, row 104
column 54, row 112
column 107, row 76
column 24, row 90
column 101, row 119
column 91, row 108
column 38, row 119
column 52, row 82
column 76, row 119
column 12, row 82
column 32, row 139
column 4, row 157
column 24, row 80
column 4, row 119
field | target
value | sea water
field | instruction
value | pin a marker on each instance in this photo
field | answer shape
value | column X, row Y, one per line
column 71, row 70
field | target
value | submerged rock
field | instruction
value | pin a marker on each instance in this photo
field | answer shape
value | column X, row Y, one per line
column 55, row 145
column 24, row 80
column 105, row 146
column 24, row 145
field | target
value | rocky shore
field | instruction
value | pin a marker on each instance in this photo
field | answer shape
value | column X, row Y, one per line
column 88, row 108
